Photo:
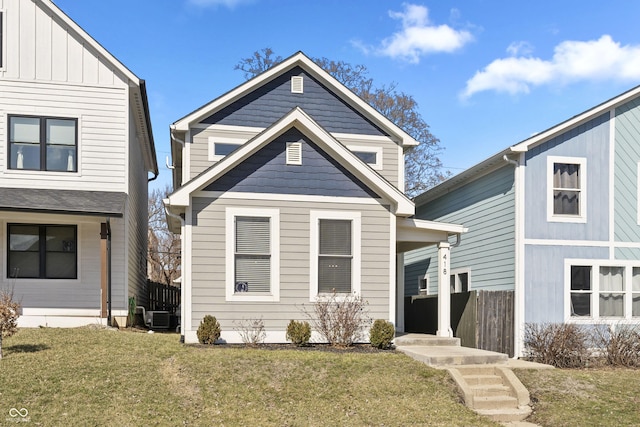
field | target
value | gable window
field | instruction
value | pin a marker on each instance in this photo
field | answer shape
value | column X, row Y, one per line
column 43, row 143
column 335, row 252
column 252, row 254
column 220, row 147
column 604, row 290
column 567, row 183
column 370, row 155
column 42, row 251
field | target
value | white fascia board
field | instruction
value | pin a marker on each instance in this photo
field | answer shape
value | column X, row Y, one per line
column 576, row 120
column 421, row 224
column 90, row 40
column 299, row 119
column 298, row 59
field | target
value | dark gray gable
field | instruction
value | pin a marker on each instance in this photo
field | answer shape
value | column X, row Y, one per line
column 266, row 171
column 268, row 103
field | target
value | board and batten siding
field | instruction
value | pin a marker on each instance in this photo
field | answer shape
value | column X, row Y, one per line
column 208, row 261
column 588, row 141
column 486, row 206
column 627, row 161
column 41, row 47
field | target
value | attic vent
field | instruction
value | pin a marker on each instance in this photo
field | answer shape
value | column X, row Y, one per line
column 294, row 153
column 297, row 84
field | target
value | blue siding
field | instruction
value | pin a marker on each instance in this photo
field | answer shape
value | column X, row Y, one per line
column 590, row 141
column 544, row 279
column 267, row 172
column 627, row 156
column 273, row 100
column 486, row 207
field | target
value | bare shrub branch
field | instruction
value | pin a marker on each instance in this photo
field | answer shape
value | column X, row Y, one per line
column 563, row 345
column 251, row 331
column 9, row 313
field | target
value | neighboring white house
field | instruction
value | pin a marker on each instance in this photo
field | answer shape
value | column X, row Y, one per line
column 74, row 164
column 289, row 186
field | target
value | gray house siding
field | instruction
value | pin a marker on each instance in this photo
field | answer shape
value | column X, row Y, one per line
column 589, row 141
column 544, row 286
column 486, row 207
column 208, row 261
column 266, row 105
column 627, row 157
column 267, row 172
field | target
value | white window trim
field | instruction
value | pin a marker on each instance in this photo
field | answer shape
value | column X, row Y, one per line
column 425, row 278
column 595, row 265
column 224, row 140
column 582, row 162
column 356, row 248
column 369, row 149
column 457, row 272
column 274, row 216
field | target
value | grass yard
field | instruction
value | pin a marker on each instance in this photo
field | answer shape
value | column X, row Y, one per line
column 102, row 377
column 590, row 397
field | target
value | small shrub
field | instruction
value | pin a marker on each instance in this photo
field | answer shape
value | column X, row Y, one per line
column 251, row 331
column 563, row 345
column 299, row 333
column 339, row 318
column 209, row 330
column 381, row 334
column 9, row 313
column 620, row 344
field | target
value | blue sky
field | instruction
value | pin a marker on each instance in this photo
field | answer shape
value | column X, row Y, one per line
column 486, row 74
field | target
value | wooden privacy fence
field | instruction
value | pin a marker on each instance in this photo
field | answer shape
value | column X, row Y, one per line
column 163, row 297
column 481, row 319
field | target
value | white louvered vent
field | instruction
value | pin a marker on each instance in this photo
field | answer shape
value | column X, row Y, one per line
column 294, row 153
column 297, row 84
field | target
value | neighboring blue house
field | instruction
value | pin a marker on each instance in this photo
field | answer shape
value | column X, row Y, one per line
column 556, row 218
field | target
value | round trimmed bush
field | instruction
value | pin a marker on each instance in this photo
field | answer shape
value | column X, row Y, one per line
column 381, row 334
column 299, row 333
column 209, row 330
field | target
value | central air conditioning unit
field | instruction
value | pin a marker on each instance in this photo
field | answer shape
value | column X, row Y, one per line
column 155, row 319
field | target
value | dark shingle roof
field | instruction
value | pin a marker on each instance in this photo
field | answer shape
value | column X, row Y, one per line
column 74, row 202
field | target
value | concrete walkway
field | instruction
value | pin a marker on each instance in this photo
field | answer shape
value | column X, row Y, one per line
column 486, row 382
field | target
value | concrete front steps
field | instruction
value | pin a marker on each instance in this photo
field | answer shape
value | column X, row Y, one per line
column 493, row 391
column 487, row 385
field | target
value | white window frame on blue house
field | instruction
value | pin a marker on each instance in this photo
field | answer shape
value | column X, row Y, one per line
column 231, row 214
column 582, row 189
column 314, row 250
column 629, row 290
column 213, row 140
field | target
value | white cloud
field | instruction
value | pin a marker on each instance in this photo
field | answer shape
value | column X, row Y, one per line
column 227, row 3
column 519, row 48
column 572, row 61
column 418, row 36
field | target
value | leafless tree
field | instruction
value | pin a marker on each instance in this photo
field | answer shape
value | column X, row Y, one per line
column 9, row 313
column 164, row 246
column 423, row 167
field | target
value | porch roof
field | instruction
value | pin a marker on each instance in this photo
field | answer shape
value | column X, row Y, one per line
column 69, row 202
column 414, row 233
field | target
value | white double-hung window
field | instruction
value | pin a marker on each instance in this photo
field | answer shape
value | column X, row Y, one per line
column 335, row 252
column 603, row 290
column 567, row 194
column 252, row 258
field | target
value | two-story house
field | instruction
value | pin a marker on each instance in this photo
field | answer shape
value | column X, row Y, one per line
column 289, row 187
column 75, row 158
column 556, row 218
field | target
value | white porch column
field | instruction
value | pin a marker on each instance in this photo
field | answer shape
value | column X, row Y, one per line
column 444, row 291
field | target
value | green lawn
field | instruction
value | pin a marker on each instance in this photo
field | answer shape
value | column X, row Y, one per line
column 121, row 378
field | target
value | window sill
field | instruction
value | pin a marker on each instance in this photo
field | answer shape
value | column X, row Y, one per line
column 255, row 297
column 576, row 219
